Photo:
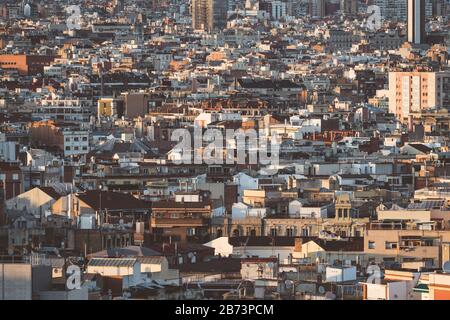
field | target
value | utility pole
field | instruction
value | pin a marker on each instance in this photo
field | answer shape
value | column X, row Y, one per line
column 100, row 205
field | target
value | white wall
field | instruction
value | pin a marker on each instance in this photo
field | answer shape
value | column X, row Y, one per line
column 376, row 291
column 397, row 290
column 221, row 246
column 340, row 274
column 249, row 271
column 264, row 252
column 245, row 182
column 34, row 201
column 294, row 208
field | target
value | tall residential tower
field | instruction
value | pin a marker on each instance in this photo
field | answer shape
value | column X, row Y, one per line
column 209, row 15
column 416, row 21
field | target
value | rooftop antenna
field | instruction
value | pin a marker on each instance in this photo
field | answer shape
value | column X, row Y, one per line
column 101, row 81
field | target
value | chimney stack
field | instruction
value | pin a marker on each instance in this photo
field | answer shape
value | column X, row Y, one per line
column 298, row 244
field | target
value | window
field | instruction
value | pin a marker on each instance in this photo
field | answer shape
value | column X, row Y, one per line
column 428, row 262
column 67, row 148
column 15, row 176
column 390, row 245
column 273, row 232
column 371, row 244
column 290, row 232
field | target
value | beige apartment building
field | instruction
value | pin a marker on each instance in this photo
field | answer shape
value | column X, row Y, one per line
column 412, row 92
column 419, row 233
column 402, row 245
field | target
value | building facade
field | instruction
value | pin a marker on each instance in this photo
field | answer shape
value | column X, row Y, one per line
column 416, row 21
column 412, row 92
column 209, row 15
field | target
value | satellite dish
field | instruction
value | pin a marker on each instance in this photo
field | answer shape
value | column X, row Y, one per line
column 289, row 284
column 446, row 267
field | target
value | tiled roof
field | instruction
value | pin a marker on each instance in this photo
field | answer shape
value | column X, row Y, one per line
column 50, row 192
column 112, row 200
column 426, row 205
column 421, row 147
column 350, row 244
column 151, row 260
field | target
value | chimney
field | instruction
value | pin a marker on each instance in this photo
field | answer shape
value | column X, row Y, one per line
column 410, row 123
column 298, row 245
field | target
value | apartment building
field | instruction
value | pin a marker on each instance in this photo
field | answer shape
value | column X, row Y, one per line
column 110, row 107
column 317, row 8
column 414, row 92
column 350, row 6
column 181, row 219
column 393, row 242
column 209, row 15
column 69, row 140
column 64, row 109
column 12, row 178
column 393, row 10
column 76, row 142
